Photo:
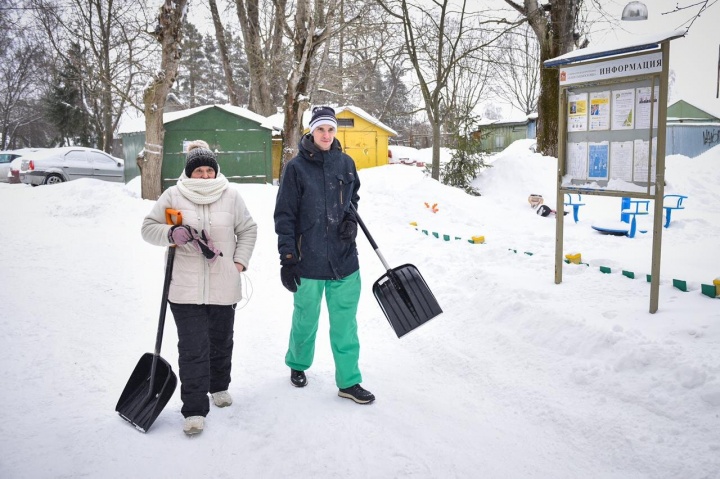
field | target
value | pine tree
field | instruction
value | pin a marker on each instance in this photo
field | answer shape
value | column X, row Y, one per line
column 466, row 162
column 192, row 63
column 65, row 104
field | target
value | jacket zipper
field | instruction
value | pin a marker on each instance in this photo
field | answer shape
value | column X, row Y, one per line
column 206, row 266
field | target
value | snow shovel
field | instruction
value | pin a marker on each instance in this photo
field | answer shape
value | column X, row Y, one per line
column 152, row 382
column 403, row 295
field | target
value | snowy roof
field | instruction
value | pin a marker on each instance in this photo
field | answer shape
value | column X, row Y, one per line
column 517, row 119
column 138, row 124
column 364, row 115
column 606, row 49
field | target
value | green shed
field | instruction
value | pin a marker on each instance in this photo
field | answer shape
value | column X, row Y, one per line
column 241, row 139
column 496, row 135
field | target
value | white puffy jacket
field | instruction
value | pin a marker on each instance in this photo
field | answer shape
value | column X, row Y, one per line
column 228, row 223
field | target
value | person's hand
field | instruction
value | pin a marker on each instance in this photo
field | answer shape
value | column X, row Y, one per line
column 181, row 234
column 240, row 268
column 289, row 274
column 348, row 230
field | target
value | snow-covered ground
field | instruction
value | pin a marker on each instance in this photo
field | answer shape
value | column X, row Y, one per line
column 519, row 377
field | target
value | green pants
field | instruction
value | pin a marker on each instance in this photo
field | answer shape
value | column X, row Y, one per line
column 342, row 298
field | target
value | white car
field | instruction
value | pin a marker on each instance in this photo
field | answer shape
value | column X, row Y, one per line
column 7, row 157
column 68, row 163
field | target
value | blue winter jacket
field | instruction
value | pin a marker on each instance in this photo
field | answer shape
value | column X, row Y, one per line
column 313, row 200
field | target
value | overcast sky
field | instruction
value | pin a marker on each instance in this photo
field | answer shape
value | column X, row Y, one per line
column 693, row 58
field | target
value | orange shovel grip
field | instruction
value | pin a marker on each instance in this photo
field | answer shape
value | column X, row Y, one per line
column 170, row 213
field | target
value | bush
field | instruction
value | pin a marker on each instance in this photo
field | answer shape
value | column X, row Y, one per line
column 466, row 162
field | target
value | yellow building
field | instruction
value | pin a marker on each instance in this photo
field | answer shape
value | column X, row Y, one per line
column 361, row 135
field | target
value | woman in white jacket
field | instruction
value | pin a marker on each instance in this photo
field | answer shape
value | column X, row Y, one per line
column 214, row 245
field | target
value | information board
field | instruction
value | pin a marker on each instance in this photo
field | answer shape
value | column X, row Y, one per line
column 612, row 136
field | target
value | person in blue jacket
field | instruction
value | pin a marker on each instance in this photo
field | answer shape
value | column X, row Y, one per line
column 316, row 230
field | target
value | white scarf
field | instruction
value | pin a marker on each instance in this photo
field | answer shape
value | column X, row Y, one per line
column 202, row 191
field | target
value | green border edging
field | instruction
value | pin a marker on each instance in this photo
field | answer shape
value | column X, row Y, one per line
column 680, row 284
column 446, row 237
column 709, row 290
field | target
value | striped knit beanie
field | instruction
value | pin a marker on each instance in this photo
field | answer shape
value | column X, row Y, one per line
column 200, row 154
column 322, row 115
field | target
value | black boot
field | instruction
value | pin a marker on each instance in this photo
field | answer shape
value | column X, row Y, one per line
column 297, row 378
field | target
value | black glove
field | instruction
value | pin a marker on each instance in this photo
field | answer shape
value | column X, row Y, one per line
column 289, row 274
column 206, row 246
column 348, row 230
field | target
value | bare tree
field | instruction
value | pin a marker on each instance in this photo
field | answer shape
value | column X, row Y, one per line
column 440, row 36
column 168, row 32
column 224, row 55
column 262, row 28
column 112, row 47
column 469, row 83
column 359, row 66
column 20, row 64
column 517, row 69
column 314, row 22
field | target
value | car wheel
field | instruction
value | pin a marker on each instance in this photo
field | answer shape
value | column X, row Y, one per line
column 53, row 179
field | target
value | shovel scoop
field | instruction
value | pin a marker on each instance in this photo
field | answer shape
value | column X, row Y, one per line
column 402, row 293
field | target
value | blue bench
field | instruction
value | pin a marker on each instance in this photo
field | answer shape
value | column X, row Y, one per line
column 630, row 210
column 574, row 200
column 670, row 203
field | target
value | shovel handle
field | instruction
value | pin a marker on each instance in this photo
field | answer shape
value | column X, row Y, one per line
column 370, row 238
column 170, row 214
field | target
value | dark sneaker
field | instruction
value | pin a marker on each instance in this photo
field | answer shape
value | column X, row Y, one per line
column 357, row 394
column 297, row 378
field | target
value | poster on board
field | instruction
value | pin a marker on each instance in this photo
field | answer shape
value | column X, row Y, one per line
column 641, row 160
column 599, row 110
column 598, row 159
column 577, row 154
column 621, row 166
column 577, row 111
column 646, row 101
column 623, row 109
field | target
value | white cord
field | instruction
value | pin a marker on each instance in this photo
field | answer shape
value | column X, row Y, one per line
column 246, row 293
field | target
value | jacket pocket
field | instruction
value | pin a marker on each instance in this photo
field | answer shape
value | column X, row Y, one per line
column 346, row 186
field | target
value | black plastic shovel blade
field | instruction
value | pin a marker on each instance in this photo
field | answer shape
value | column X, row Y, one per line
column 405, row 299
column 140, row 402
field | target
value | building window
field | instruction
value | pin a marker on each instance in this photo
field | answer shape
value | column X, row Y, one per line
column 346, row 122
column 499, row 142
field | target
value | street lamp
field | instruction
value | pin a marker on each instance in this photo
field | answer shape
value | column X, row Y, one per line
column 634, row 11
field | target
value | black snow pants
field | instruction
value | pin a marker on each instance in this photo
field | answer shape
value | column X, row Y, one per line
column 205, row 345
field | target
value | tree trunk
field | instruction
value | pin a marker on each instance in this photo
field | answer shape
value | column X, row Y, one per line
column 169, row 33
column 249, row 17
column 547, row 106
column 222, row 46
column 436, row 150
column 554, row 30
column 296, row 102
